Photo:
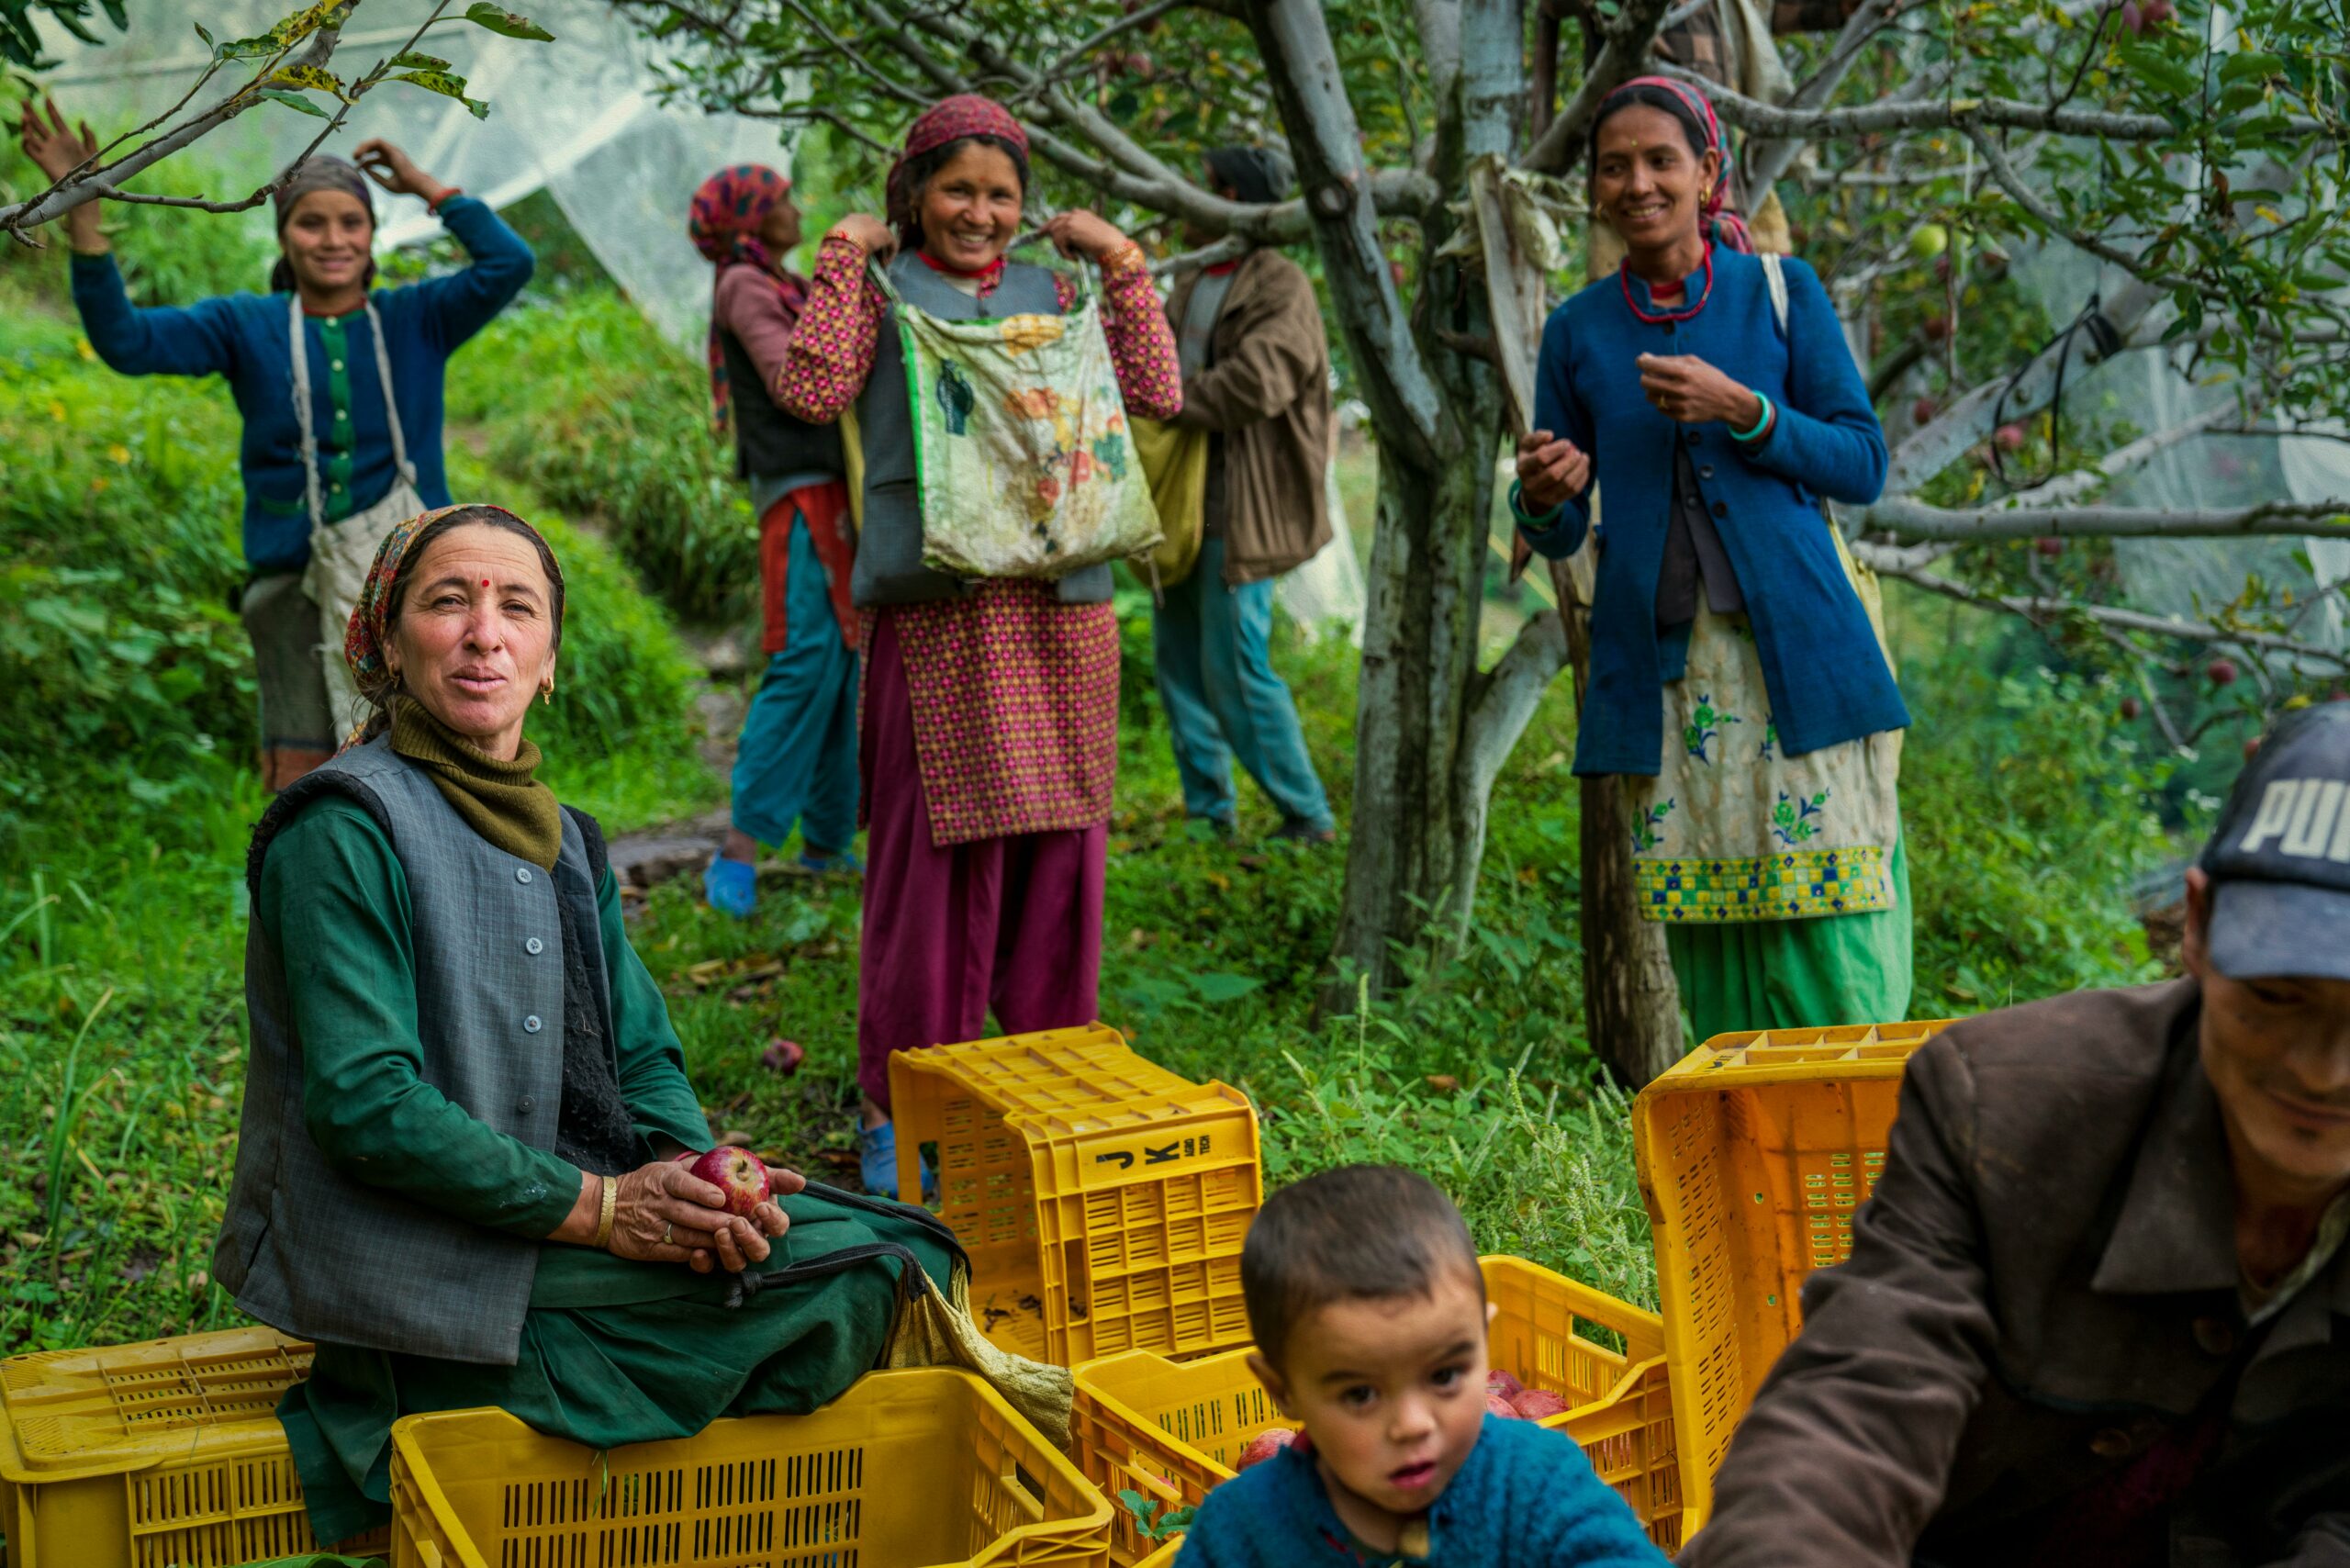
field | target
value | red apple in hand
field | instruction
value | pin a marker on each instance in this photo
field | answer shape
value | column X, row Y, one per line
column 737, row 1172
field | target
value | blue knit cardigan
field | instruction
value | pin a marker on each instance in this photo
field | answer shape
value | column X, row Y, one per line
column 1827, row 677
column 1525, row 1497
column 243, row 337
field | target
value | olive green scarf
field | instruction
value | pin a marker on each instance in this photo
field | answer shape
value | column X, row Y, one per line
column 503, row 801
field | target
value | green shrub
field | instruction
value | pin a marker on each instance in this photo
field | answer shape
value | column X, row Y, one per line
column 590, row 408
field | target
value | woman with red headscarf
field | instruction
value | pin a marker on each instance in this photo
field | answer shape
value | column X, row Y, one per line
column 989, row 733
column 796, row 763
column 1739, row 682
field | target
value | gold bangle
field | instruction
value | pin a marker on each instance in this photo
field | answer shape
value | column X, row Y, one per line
column 1122, row 260
column 611, row 1205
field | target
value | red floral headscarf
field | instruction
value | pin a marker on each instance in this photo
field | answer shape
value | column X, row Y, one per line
column 724, row 223
column 1718, row 218
column 949, row 120
column 370, row 628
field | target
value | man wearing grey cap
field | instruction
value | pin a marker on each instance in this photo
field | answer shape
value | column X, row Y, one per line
column 2098, row 1309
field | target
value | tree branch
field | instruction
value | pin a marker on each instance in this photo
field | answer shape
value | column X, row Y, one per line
column 2043, row 609
column 1904, row 517
column 1076, row 55
column 1767, row 158
column 1294, row 37
column 2131, row 312
column 1509, row 695
column 1995, row 159
column 81, row 187
column 1759, row 119
column 1621, row 57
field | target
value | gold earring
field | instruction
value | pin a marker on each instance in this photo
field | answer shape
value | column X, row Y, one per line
column 547, row 693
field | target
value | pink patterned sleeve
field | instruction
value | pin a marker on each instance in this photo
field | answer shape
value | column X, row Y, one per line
column 833, row 345
column 1141, row 345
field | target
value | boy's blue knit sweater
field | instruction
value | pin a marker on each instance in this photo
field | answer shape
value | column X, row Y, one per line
column 243, row 337
column 1525, row 1497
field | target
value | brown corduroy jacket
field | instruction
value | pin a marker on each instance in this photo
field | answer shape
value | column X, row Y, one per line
column 1267, row 391
column 2041, row 1309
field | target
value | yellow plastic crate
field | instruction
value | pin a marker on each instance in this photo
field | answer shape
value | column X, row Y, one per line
column 1755, row 1152
column 165, row 1454
column 1171, row 1431
column 1166, row 1555
column 1102, row 1199
column 928, row 1468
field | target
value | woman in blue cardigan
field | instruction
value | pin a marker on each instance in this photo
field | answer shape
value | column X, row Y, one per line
column 325, row 226
column 1739, row 677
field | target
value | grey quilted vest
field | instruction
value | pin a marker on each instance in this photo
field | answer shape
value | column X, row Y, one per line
column 319, row 1254
column 889, row 542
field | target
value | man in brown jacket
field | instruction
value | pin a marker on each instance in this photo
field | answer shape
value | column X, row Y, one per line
column 1257, row 379
column 2099, row 1310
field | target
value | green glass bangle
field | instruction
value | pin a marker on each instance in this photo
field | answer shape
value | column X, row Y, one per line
column 1760, row 425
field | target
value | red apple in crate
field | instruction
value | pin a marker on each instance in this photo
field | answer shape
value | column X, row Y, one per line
column 1266, row 1444
column 1496, row 1405
column 737, row 1172
column 1504, row 1383
column 1540, row 1404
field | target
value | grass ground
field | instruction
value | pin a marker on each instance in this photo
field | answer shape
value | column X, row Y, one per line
column 122, row 916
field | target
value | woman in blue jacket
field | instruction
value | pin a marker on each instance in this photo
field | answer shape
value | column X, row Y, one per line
column 1738, row 680
column 355, row 437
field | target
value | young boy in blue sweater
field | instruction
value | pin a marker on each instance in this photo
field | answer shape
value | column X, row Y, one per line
column 1369, row 1317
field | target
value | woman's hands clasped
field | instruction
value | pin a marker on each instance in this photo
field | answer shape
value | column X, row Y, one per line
column 667, row 1215
column 1550, row 470
column 1689, row 391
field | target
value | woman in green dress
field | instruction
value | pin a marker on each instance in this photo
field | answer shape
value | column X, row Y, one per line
column 456, row 1170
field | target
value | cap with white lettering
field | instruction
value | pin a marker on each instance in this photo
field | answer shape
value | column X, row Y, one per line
column 2279, row 860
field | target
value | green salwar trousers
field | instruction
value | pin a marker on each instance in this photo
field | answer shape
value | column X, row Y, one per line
column 1789, row 974
column 616, row 1352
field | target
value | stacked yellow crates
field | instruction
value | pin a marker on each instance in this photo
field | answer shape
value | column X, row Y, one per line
column 1754, row 1151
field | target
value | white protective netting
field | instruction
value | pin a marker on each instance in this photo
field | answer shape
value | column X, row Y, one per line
column 577, row 118
column 2154, row 391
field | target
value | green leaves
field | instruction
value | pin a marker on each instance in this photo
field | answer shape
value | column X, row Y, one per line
column 294, row 101
column 445, row 84
column 505, row 23
column 308, row 78
column 410, row 60
column 2155, row 67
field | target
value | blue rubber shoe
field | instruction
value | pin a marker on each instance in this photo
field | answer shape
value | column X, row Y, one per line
column 876, row 1162
column 730, row 886
column 830, row 863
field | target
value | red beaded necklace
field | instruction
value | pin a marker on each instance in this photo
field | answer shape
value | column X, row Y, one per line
column 1657, row 318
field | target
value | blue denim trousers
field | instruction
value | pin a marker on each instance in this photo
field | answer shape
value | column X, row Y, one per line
column 1223, row 700
column 797, row 759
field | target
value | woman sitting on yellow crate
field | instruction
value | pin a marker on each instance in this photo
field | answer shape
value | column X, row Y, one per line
column 456, row 1170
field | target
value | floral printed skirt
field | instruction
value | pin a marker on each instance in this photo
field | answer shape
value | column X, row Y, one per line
column 1733, row 829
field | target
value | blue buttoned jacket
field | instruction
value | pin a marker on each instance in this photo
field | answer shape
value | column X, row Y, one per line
column 1827, row 677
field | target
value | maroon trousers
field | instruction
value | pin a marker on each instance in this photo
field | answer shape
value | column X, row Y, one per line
column 1009, row 923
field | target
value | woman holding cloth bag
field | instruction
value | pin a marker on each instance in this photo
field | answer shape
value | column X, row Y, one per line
column 989, row 735
column 341, row 441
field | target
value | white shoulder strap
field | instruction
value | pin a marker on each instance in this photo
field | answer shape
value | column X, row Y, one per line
column 1775, row 275
column 301, row 368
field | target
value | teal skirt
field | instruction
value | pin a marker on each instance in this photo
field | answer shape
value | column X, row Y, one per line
column 617, row 1352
